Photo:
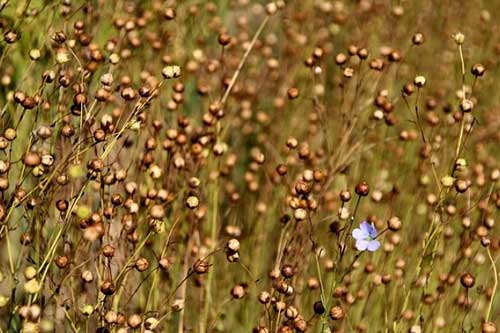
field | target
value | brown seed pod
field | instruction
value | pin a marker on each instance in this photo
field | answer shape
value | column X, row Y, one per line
column 201, row 266
column 10, row 37
column 31, row 159
column 318, row 308
column 61, row 261
column 108, row 251
column 418, row 38
column 224, row 39
column 141, row 264
column 478, row 70
column 293, row 93
column 337, row 313
column 87, row 276
column 238, row 291
column 128, row 94
column 408, row 89
column 362, row 53
column 466, row 105
column 169, row 13
column 362, row 189
column 108, row 288
column 467, row 280
column 394, row 223
column 340, row 59
column 164, row 264
column 488, row 327
column 134, row 321
column 287, row 271
column 345, row 196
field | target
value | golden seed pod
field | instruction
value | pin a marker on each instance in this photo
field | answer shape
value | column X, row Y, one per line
column 478, row 70
column 171, row 72
column 238, row 292
column 419, row 81
column 459, row 38
column 337, row 313
column 488, row 327
column 418, row 38
column 466, row 105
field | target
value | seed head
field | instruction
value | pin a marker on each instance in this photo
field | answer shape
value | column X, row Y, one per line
column 466, row 105
column 418, row 38
column 238, row 292
column 467, row 280
column 271, row 8
column 394, row 223
column 293, row 93
column 419, row 81
column 488, row 327
column 35, row 54
column 171, row 72
column 192, row 202
column 478, row 70
column 362, row 189
column 337, row 313
column 459, row 38
column 233, row 245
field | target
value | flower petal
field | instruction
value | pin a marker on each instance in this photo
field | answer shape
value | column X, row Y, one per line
column 366, row 227
column 359, row 234
column 373, row 231
column 361, row 245
column 373, row 245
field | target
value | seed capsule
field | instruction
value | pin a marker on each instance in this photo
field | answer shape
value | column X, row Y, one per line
column 337, row 313
column 418, row 38
column 419, row 81
column 467, row 280
column 466, row 105
column 293, row 93
column 238, row 292
column 170, row 72
column 488, row 327
column 362, row 189
column 478, row 70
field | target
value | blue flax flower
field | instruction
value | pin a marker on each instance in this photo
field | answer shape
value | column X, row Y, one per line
column 365, row 237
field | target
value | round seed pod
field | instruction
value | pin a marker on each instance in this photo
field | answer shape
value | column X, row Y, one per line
column 224, row 39
column 108, row 251
column 362, row 189
column 31, row 159
column 318, row 308
column 419, row 81
column 192, row 202
column 337, row 313
column 61, row 261
column 287, row 271
column 201, row 266
column 233, row 245
column 169, row 13
column 165, row 264
column 293, row 93
column 87, row 276
column 467, row 280
column 238, row 292
column 478, row 70
column 345, row 196
column 134, row 321
column 108, row 288
column 264, row 297
column 466, row 105
column 394, row 223
column 418, row 38
column 489, row 327
column 141, row 264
